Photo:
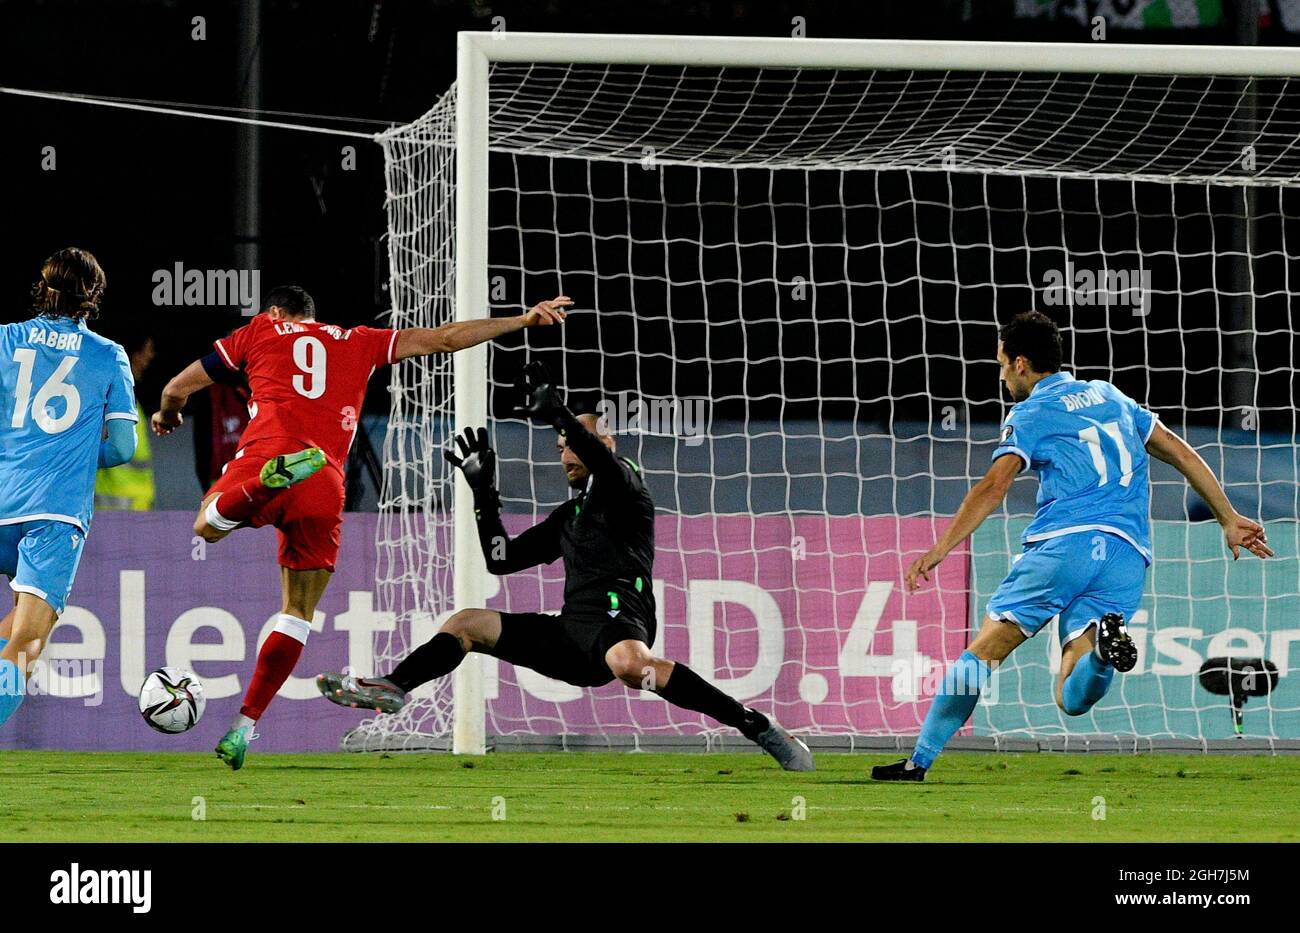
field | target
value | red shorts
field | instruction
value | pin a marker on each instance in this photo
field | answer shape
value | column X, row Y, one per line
column 308, row 516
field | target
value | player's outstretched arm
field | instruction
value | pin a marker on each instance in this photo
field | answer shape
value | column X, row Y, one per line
column 174, row 395
column 543, row 402
column 983, row 498
column 421, row 341
column 1238, row 531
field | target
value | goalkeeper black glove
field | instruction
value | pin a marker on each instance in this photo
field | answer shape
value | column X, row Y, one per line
column 477, row 460
column 542, row 401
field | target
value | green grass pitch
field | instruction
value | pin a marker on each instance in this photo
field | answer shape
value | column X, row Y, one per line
column 64, row 796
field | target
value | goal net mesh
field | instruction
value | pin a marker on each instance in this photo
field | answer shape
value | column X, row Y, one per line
column 788, row 285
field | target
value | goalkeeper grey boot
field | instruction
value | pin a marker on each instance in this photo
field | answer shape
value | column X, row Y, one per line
column 378, row 693
column 791, row 753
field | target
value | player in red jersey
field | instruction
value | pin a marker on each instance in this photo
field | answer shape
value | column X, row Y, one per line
column 308, row 381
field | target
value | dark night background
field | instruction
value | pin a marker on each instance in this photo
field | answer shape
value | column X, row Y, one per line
column 145, row 191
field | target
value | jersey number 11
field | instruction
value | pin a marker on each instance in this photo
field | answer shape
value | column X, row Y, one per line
column 1092, row 438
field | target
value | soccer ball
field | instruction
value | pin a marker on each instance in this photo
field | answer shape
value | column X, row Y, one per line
column 172, row 700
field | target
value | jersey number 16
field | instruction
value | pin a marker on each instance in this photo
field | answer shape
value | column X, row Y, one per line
column 53, row 388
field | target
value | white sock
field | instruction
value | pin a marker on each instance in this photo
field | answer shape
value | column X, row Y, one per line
column 241, row 721
column 293, row 626
column 216, row 519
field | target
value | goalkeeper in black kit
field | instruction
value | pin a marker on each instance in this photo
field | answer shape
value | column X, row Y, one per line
column 605, row 535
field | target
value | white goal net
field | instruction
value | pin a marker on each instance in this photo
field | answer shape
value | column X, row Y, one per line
column 788, row 285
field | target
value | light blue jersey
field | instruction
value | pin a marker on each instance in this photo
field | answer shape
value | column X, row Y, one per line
column 1086, row 551
column 59, row 383
column 1087, row 443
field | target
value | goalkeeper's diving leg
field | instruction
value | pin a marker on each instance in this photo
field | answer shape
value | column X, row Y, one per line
column 628, row 660
column 632, row 663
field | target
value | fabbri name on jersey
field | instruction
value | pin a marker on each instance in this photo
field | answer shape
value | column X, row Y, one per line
column 1090, row 396
column 57, row 339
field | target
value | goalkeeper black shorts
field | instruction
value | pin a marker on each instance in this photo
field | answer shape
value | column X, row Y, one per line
column 567, row 647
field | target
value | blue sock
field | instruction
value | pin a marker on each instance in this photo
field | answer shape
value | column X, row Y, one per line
column 1087, row 684
column 13, row 687
column 951, row 708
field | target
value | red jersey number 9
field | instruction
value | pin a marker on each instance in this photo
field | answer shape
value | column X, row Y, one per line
column 309, row 356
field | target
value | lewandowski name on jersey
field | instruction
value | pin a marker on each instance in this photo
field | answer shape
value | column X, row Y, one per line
column 308, row 379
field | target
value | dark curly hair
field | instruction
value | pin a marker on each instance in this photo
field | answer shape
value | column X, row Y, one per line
column 71, row 285
column 1035, row 336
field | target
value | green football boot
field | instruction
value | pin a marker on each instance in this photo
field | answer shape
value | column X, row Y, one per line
column 234, row 745
column 287, row 469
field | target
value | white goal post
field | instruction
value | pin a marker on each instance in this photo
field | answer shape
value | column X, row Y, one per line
column 886, row 106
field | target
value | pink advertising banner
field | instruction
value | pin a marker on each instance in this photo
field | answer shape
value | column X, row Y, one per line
column 804, row 616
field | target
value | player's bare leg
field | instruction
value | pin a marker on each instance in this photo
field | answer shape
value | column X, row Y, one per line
column 1089, row 662
column 203, row 529
column 1071, row 654
column 222, row 513
column 632, row 662
column 30, row 624
column 466, row 631
column 302, row 591
column 956, row 699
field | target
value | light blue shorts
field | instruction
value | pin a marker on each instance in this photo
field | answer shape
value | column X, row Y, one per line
column 41, row 557
column 1079, row 576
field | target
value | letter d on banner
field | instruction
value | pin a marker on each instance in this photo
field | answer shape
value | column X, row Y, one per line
column 704, row 595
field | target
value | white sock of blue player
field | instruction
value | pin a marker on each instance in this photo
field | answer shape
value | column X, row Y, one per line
column 1087, row 684
column 13, row 687
column 952, row 706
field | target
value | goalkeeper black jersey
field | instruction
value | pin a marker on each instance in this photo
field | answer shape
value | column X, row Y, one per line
column 605, row 535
